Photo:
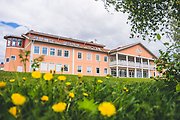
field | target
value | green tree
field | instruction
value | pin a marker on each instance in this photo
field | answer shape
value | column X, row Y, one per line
column 24, row 55
column 149, row 18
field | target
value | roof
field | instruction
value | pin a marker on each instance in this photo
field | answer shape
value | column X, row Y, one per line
column 12, row 36
column 65, row 38
column 131, row 45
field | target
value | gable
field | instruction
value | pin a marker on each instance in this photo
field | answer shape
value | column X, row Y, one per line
column 138, row 50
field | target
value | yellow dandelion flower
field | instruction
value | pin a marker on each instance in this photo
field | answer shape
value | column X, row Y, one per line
column 44, row 98
column 13, row 111
column 11, row 80
column 71, row 95
column 2, row 84
column 48, row 76
column 80, row 75
column 59, row 107
column 99, row 81
column 125, row 89
column 24, row 78
column 85, row 94
column 68, row 83
column 18, row 99
column 107, row 77
column 62, row 78
column 107, row 109
column 36, row 74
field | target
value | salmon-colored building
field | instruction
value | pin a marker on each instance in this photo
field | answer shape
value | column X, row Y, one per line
column 76, row 56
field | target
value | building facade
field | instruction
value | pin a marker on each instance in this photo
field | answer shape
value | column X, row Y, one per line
column 76, row 56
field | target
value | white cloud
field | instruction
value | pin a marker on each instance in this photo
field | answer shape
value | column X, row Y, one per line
column 81, row 19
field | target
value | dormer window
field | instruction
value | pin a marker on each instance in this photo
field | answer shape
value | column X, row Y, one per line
column 14, row 42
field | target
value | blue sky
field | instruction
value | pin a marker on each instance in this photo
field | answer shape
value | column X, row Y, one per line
column 83, row 19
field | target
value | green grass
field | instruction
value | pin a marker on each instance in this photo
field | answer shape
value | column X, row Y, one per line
column 146, row 99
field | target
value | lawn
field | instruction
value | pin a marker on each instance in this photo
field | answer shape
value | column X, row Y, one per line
column 70, row 97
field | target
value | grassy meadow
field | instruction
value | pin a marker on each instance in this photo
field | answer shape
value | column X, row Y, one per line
column 27, row 96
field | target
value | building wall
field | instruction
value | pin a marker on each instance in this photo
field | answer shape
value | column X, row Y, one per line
column 134, row 51
column 72, row 61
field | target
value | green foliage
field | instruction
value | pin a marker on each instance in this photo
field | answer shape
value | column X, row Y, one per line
column 24, row 56
column 88, row 105
column 169, row 62
column 148, row 17
column 36, row 62
column 145, row 99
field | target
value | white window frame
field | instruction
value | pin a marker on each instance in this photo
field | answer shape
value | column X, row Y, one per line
column 104, row 71
column 54, row 52
column 105, row 57
column 42, row 64
column 61, row 52
column 14, row 57
column 38, row 50
column 96, row 57
column 67, row 67
column 81, row 55
column 68, row 53
column 7, row 58
column 42, row 51
column 80, row 68
column 89, row 56
column 96, row 70
column 87, row 70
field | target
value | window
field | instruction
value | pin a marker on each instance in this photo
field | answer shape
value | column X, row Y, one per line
column 97, row 57
column 44, row 66
column 88, row 56
column 14, row 42
column 89, row 69
column 58, row 67
column 9, row 42
column 79, row 55
column 44, row 51
column 105, row 71
column 105, row 58
column 7, row 59
column 79, row 69
column 66, row 53
column 52, row 51
column 36, row 49
column 97, row 70
column 19, row 43
column 66, row 68
column 59, row 53
column 13, row 57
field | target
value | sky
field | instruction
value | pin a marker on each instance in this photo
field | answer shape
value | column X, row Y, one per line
column 80, row 19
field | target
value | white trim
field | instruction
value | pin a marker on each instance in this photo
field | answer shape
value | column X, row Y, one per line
column 50, row 51
column 14, row 56
column 87, row 69
column 90, row 56
column 81, row 55
column 31, row 55
column 68, row 54
column 42, row 51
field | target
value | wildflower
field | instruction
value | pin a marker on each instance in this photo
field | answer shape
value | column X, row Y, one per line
column 71, row 95
column 2, row 84
column 48, row 76
column 107, row 77
column 99, row 81
column 125, row 89
column 59, row 107
column 107, row 109
column 80, row 76
column 44, row 98
column 85, row 94
column 24, row 78
column 11, row 80
column 62, row 78
column 68, row 83
column 13, row 111
column 36, row 74
column 18, row 99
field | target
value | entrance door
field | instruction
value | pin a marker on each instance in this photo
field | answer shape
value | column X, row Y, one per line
column 131, row 73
